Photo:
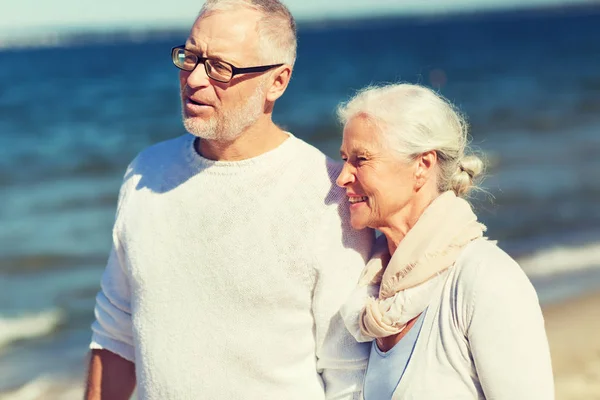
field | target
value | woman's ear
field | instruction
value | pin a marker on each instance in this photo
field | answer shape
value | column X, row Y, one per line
column 426, row 163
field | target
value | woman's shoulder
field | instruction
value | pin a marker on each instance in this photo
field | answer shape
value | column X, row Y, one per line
column 484, row 270
column 483, row 253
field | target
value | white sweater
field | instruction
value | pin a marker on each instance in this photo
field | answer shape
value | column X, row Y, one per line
column 483, row 335
column 225, row 278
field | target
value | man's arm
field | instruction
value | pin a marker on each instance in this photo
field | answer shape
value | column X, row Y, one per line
column 112, row 363
column 109, row 377
column 112, row 368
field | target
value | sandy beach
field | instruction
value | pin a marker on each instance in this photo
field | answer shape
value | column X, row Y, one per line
column 573, row 329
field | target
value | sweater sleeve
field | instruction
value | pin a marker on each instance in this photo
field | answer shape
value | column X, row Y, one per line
column 341, row 253
column 506, row 333
column 112, row 328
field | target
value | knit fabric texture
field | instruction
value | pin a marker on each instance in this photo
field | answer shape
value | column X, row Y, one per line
column 225, row 278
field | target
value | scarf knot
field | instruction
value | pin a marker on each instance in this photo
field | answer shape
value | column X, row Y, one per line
column 408, row 279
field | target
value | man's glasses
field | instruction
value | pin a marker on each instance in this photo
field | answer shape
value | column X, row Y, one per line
column 218, row 70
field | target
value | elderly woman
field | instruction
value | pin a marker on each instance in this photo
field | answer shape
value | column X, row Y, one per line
column 450, row 314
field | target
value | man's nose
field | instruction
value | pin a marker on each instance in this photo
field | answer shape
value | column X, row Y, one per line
column 196, row 78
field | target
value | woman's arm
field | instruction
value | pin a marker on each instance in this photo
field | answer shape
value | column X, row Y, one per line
column 506, row 333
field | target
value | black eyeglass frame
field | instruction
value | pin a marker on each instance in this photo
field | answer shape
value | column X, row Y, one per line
column 234, row 70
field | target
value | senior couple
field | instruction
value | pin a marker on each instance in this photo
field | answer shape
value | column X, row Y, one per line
column 244, row 263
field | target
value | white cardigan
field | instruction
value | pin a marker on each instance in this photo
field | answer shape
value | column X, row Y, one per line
column 483, row 337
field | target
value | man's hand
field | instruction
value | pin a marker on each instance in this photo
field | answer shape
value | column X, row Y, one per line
column 110, row 377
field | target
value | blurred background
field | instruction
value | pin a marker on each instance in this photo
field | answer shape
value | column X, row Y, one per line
column 85, row 86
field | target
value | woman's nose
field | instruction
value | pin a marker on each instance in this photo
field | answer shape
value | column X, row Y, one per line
column 345, row 177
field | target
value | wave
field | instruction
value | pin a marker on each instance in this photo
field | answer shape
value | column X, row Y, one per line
column 29, row 326
column 47, row 388
column 561, row 259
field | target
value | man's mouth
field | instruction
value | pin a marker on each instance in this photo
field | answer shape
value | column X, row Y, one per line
column 196, row 102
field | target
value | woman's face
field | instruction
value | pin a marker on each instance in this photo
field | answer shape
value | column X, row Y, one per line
column 379, row 185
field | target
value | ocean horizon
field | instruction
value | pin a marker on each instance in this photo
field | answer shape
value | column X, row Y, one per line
column 72, row 34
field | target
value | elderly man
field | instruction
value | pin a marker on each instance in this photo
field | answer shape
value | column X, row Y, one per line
column 232, row 251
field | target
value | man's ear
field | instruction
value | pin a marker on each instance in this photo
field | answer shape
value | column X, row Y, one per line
column 279, row 82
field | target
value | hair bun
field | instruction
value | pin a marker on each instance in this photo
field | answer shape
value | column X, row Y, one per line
column 472, row 165
column 469, row 168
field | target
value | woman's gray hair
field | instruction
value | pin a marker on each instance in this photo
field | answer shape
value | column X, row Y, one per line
column 276, row 29
column 413, row 120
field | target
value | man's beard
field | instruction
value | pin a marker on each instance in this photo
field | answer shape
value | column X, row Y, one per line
column 229, row 125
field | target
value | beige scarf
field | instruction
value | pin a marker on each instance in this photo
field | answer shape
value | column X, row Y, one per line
column 406, row 284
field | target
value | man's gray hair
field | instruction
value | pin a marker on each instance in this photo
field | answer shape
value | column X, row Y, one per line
column 276, row 29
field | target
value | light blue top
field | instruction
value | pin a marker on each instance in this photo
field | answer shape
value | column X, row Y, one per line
column 385, row 369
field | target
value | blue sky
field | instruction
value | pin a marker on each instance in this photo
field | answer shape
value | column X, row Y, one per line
column 23, row 16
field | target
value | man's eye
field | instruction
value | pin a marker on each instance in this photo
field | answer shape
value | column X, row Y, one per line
column 219, row 66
